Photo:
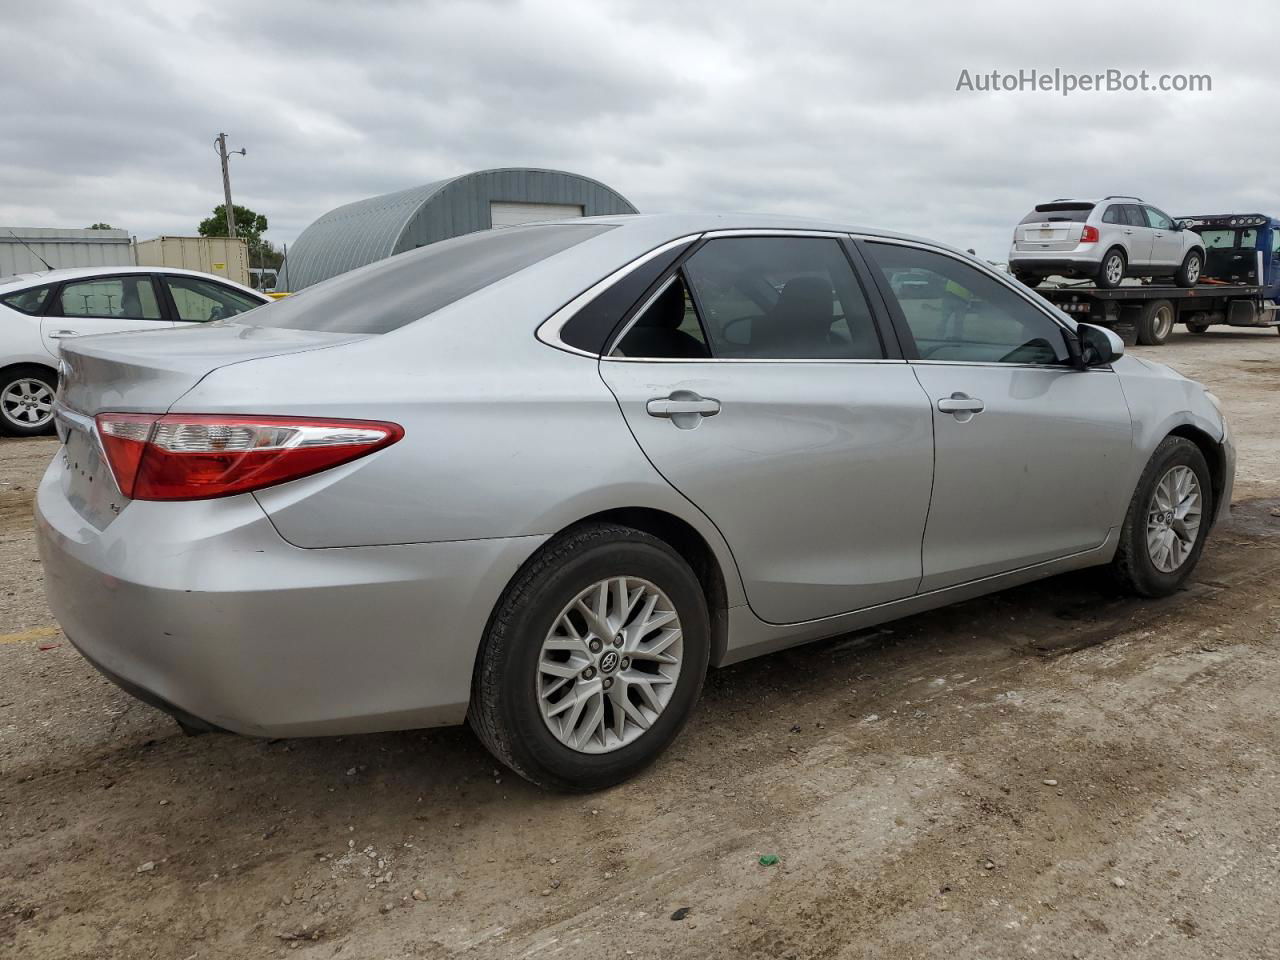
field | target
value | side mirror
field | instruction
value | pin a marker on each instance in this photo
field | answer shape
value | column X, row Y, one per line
column 1098, row 345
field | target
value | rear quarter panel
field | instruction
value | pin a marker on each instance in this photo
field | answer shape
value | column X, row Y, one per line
column 504, row 437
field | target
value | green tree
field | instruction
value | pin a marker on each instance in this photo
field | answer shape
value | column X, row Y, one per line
column 249, row 225
column 100, row 226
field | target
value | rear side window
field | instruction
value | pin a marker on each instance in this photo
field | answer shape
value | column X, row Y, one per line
column 131, row 297
column 1133, row 215
column 1069, row 210
column 386, row 295
column 782, row 298
column 31, row 300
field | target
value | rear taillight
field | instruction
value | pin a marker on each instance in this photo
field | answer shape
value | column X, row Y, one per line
column 1089, row 234
column 183, row 456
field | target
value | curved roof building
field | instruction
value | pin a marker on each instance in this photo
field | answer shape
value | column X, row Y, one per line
column 358, row 233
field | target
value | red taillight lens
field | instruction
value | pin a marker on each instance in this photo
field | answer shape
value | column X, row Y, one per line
column 1089, row 234
column 195, row 456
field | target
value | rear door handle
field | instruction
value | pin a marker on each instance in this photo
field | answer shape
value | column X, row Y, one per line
column 672, row 406
column 62, row 334
column 963, row 406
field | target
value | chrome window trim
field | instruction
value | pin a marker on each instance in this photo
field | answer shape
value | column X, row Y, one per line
column 776, row 232
column 613, row 359
column 549, row 330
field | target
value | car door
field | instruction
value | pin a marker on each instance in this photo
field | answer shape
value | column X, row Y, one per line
column 1031, row 454
column 1166, row 242
column 201, row 300
column 110, row 303
column 1138, row 235
column 757, row 381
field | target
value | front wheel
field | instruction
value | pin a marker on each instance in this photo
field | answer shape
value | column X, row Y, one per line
column 593, row 659
column 26, row 400
column 1188, row 274
column 1168, row 520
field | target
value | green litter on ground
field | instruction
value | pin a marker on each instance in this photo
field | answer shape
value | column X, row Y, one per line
column 768, row 860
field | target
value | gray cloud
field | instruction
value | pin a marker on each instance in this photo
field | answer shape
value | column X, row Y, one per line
column 833, row 109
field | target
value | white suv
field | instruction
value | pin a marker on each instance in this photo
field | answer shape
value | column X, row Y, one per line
column 37, row 310
column 1105, row 240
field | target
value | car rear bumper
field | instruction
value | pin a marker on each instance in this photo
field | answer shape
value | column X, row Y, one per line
column 1052, row 261
column 204, row 610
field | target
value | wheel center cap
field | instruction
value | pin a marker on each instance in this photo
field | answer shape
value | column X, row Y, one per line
column 609, row 662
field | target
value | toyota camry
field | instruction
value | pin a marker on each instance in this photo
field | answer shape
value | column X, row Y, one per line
column 542, row 478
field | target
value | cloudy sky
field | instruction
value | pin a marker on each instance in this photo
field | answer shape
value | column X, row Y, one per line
column 843, row 110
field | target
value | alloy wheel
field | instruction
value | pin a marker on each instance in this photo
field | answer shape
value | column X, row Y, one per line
column 27, row 402
column 1193, row 270
column 1115, row 269
column 609, row 665
column 1173, row 518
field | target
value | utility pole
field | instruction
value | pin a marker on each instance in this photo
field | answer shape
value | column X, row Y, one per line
column 221, row 146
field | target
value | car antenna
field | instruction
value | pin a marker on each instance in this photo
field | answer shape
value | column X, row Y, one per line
column 47, row 264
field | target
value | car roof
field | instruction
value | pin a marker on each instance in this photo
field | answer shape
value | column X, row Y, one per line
column 666, row 226
column 21, row 280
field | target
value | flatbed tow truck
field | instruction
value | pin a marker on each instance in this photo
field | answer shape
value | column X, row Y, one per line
column 1240, row 286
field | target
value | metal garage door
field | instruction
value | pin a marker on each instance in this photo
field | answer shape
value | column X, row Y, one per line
column 509, row 214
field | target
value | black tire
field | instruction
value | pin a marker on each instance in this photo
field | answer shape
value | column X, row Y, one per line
column 1105, row 268
column 1032, row 280
column 1188, row 274
column 12, row 416
column 1197, row 328
column 1156, row 323
column 1132, row 566
column 505, row 712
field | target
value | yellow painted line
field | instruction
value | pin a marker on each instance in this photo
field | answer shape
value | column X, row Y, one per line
column 27, row 636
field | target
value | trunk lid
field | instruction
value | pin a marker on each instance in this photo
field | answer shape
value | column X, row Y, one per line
column 146, row 372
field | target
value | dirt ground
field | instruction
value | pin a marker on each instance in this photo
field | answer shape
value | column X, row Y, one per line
column 1054, row 771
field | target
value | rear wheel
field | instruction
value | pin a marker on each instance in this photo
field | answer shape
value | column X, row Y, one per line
column 26, row 400
column 593, row 659
column 1111, row 271
column 1188, row 274
column 1156, row 323
column 1168, row 519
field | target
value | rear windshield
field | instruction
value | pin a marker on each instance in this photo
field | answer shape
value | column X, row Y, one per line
column 391, row 293
column 1070, row 210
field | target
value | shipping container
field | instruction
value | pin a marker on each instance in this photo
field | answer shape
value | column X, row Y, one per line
column 21, row 249
column 221, row 256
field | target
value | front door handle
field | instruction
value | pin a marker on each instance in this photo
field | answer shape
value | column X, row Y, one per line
column 963, row 406
column 676, row 406
column 63, row 334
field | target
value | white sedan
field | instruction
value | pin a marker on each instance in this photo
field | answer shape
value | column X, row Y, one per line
column 37, row 310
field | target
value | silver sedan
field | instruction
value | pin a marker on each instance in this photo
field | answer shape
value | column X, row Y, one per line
column 542, row 478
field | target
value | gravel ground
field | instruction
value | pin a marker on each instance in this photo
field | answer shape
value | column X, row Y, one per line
column 1055, row 771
